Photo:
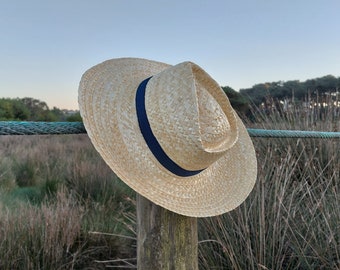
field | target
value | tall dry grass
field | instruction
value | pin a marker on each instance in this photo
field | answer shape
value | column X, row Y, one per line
column 41, row 237
column 291, row 220
column 55, row 191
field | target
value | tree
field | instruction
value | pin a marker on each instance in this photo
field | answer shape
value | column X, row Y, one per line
column 6, row 110
column 39, row 109
column 20, row 111
column 30, row 109
column 291, row 89
column 74, row 117
column 239, row 102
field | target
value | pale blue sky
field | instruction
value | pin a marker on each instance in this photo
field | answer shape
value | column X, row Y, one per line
column 45, row 46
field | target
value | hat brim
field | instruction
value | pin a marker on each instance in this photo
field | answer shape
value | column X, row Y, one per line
column 107, row 105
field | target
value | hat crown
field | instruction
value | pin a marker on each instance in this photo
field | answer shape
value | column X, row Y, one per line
column 190, row 116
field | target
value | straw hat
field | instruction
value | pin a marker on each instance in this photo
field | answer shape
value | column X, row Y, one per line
column 170, row 133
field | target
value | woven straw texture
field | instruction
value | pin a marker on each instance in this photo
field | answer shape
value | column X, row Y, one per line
column 192, row 120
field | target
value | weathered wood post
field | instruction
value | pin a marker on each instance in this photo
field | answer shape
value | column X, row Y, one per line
column 165, row 240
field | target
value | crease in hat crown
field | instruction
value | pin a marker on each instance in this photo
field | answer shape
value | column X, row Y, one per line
column 190, row 116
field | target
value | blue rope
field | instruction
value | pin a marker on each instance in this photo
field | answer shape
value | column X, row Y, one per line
column 45, row 128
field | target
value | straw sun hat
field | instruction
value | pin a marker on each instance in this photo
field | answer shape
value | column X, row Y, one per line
column 170, row 133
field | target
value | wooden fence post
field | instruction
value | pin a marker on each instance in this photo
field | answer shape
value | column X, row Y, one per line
column 165, row 240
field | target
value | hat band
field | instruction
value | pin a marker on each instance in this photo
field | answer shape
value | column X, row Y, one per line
column 150, row 138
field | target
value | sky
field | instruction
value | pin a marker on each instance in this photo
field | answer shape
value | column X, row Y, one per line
column 46, row 46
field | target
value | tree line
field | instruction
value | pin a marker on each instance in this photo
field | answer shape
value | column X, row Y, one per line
column 309, row 90
column 312, row 91
column 30, row 109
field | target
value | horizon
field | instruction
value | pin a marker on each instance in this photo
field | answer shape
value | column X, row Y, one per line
column 47, row 46
column 265, row 82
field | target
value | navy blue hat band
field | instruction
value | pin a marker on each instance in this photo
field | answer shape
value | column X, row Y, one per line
column 150, row 138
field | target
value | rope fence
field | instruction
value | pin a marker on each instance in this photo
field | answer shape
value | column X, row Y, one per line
column 40, row 128
column 50, row 128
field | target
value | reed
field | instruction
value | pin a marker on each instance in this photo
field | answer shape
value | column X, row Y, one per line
column 54, row 192
column 291, row 220
column 61, row 207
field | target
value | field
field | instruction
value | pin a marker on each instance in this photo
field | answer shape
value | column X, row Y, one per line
column 62, row 208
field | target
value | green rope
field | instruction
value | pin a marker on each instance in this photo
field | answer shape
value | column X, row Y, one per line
column 44, row 128
column 267, row 133
column 40, row 128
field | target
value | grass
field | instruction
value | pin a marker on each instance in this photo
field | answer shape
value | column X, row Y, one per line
column 55, row 191
column 40, row 237
column 61, row 207
column 291, row 220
